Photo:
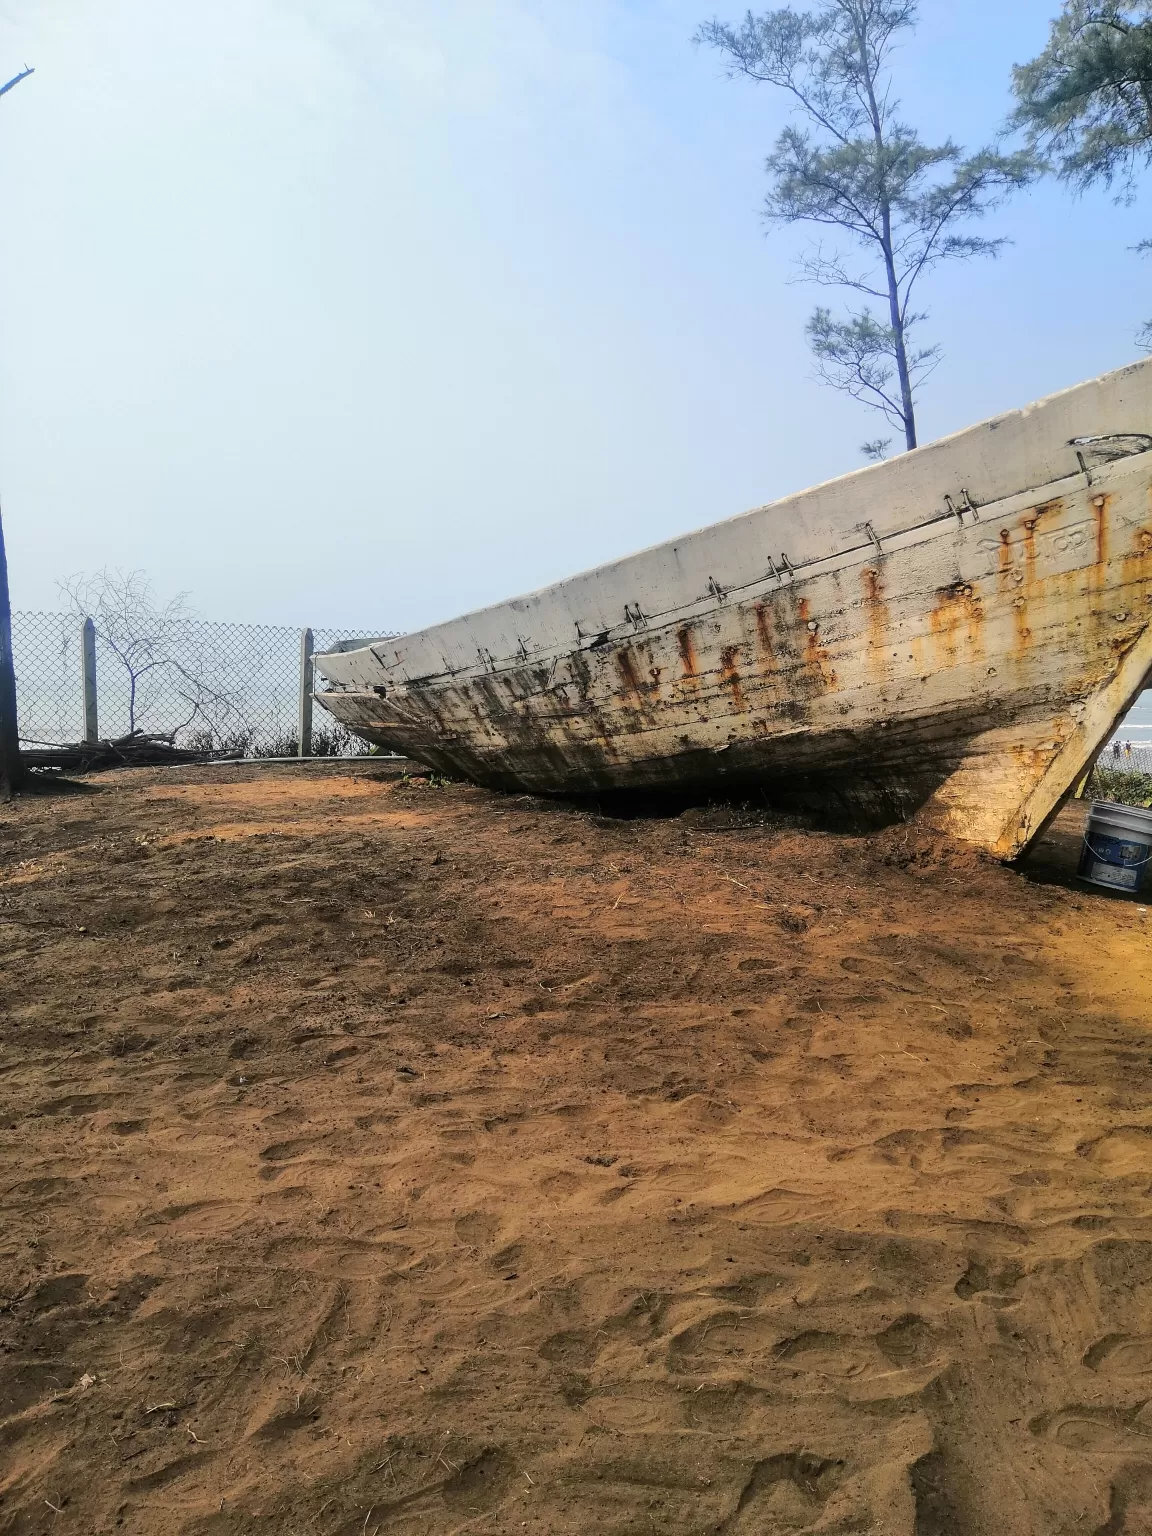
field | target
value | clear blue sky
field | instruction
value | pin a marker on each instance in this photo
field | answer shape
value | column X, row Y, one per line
column 367, row 312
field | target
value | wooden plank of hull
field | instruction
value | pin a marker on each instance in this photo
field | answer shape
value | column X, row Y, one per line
column 964, row 666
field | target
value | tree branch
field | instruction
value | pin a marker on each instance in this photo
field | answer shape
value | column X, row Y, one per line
column 15, row 80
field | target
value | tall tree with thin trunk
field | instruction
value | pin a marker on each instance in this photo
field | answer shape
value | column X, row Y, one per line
column 893, row 205
column 10, row 770
column 1085, row 101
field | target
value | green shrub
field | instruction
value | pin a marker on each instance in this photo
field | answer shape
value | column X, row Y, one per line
column 1122, row 787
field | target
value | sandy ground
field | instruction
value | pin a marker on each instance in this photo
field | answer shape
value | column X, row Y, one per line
column 393, row 1158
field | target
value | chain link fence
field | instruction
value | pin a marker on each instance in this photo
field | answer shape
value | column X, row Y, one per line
column 232, row 687
column 1133, row 757
column 236, row 687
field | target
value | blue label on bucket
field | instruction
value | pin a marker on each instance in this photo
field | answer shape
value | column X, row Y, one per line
column 1115, row 861
column 1114, row 850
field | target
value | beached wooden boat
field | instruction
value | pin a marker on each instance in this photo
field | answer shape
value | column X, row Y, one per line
column 950, row 635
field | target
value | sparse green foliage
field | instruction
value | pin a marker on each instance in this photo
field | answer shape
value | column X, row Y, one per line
column 1122, row 787
column 857, row 355
column 1085, row 102
column 334, row 741
column 852, row 166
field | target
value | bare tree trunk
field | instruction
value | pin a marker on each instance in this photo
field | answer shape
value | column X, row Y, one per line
column 11, row 774
column 907, row 409
column 896, row 319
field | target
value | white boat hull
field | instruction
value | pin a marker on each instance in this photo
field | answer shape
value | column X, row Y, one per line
column 952, row 635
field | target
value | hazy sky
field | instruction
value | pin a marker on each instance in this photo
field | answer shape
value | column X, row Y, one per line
column 367, row 312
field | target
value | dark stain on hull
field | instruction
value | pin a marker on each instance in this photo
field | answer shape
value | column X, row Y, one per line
column 730, row 676
column 632, row 688
column 687, row 648
column 764, row 635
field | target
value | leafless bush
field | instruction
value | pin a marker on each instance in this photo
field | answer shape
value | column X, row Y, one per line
column 160, row 647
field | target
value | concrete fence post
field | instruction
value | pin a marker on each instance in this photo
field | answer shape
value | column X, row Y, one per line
column 88, row 680
column 304, row 717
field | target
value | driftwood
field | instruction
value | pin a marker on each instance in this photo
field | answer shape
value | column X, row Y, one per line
column 136, row 751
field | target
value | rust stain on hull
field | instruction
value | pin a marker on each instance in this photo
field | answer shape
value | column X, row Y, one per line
column 876, row 608
column 816, row 659
column 764, row 637
column 730, row 677
column 957, row 622
column 687, row 649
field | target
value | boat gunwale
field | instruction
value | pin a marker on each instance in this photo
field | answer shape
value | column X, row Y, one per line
column 896, row 539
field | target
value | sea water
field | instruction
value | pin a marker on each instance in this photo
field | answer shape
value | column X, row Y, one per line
column 1136, row 728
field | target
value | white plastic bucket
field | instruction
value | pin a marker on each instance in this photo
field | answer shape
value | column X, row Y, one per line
column 1117, row 847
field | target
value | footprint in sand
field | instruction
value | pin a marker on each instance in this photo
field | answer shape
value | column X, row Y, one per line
column 292, row 1115
column 752, row 1290
column 730, row 1336
column 721, row 1337
column 899, row 1360
column 986, row 1278
column 937, row 1147
column 558, row 1186
column 284, row 1151
column 777, row 1207
column 42, row 1189
column 477, row 1228
column 830, row 1354
column 197, row 1218
column 724, row 1407
column 508, row 1257
column 783, row 1493
column 576, row 1349
column 60, row 1291
column 1125, row 1151
column 862, row 965
column 281, row 1419
column 80, row 1104
column 631, row 1411
column 1121, row 1354
column 1094, row 1431
column 28, row 1382
column 338, row 1259
column 180, row 1467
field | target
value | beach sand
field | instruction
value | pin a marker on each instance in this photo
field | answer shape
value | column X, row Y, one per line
column 396, row 1158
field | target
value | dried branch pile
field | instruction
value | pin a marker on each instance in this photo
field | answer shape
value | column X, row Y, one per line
column 135, row 751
